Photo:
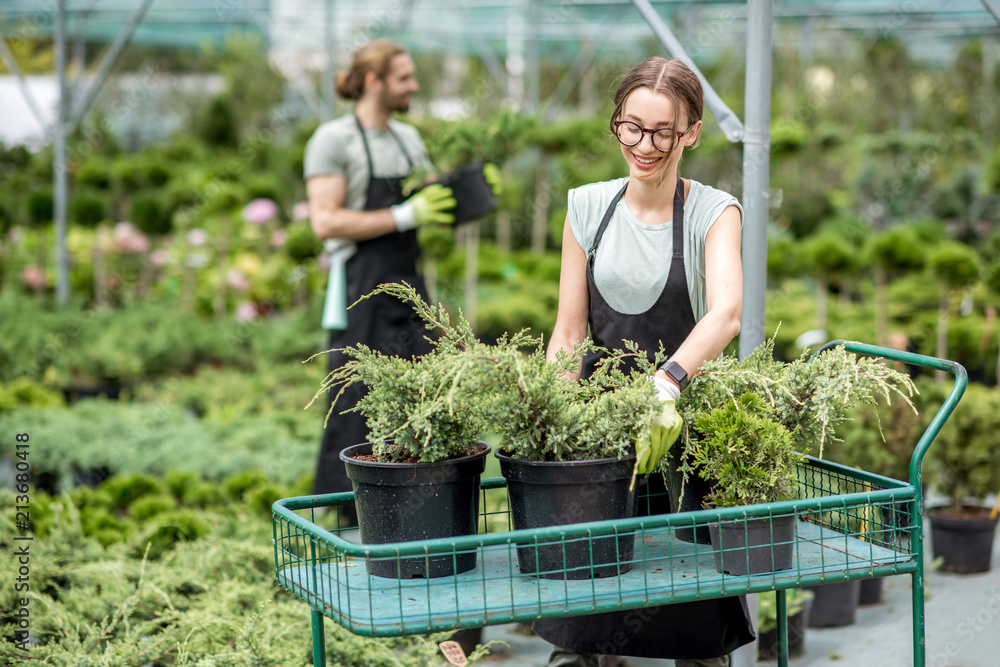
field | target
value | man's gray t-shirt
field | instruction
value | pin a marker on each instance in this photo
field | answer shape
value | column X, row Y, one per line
column 633, row 259
column 336, row 149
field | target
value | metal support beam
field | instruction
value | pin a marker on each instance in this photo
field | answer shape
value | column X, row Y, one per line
column 11, row 63
column 991, row 8
column 731, row 126
column 492, row 62
column 82, row 104
column 59, row 158
column 581, row 63
column 756, row 167
column 329, row 99
column 532, row 60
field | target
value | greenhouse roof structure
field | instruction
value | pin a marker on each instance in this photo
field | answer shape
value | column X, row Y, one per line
column 558, row 26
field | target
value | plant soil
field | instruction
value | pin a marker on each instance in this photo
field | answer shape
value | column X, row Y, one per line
column 962, row 512
column 372, row 458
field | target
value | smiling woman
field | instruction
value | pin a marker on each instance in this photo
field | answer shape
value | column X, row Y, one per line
column 654, row 259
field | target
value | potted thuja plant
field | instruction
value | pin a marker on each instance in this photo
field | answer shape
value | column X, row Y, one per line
column 568, row 453
column 418, row 475
column 748, row 427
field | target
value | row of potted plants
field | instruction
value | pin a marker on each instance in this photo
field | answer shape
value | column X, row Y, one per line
column 747, row 424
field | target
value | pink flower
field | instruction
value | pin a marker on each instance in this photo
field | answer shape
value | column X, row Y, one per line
column 158, row 257
column 278, row 238
column 128, row 240
column 237, row 280
column 197, row 237
column 33, row 276
column 260, row 211
column 301, row 211
column 246, row 311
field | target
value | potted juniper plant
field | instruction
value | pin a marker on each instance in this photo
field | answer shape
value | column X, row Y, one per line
column 418, row 475
column 749, row 425
column 965, row 467
column 567, row 451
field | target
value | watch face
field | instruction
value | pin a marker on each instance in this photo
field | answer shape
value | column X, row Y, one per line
column 677, row 373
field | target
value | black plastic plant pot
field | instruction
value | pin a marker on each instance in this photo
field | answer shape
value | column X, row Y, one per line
column 871, row 591
column 754, row 546
column 964, row 544
column 687, row 496
column 558, row 493
column 835, row 605
column 406, row 502
column 473, row 195
column 767, row 642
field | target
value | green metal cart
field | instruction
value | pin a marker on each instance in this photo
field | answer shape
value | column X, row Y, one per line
column 850, row 524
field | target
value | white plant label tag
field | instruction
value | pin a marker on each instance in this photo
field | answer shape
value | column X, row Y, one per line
column 454, row 654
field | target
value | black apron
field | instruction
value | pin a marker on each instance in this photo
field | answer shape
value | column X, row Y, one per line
column 689, row 630
column 382, row 323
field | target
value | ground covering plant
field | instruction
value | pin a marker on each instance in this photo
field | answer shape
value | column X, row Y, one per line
column 162, row 594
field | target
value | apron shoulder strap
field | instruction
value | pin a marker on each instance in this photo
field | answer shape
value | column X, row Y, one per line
column 368, row 152
column 679, row 219
column 605, row 220
column 402, row 147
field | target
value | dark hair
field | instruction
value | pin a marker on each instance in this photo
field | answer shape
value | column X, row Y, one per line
column 375, row 56
column 668, row 76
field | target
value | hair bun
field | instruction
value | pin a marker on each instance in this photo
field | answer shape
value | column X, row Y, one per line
column 347, row 86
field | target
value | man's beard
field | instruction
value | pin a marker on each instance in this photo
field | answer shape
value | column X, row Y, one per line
column 399, row 103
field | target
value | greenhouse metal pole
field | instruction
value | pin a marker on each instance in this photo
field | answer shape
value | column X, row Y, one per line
column 991, row 8
column 331, row 65
column 59, row 157
column 756, row 167
column 730, row 125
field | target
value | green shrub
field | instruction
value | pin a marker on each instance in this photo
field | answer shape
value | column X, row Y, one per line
column 41, row 208
column 157, row 175
column 124, row 490
column 964, row 461
column 94, row 173
column 236, row 486
column 25, row 392
column 156, row 437
column 169, row 529
column 148, row 507
column 149, row 215
column 88, row 209
column 301, row 243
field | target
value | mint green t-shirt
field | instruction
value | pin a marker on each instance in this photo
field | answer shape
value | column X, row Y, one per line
column 633, row 259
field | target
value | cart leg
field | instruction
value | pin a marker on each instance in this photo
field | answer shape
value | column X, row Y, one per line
column 782, row 610
column 918, row 612
column 319, row 640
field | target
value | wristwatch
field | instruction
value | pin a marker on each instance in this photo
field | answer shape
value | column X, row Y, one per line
column 676, row 373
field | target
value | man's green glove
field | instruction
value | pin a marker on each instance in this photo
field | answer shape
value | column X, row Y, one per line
column 429, row 206
column 491, row 173
column 664, row 429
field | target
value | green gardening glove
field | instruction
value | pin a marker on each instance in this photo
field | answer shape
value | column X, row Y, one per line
column 430, row 206
column 664, row 429
column 491, row 173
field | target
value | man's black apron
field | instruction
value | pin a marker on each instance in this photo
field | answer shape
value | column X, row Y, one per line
column 382, row 323
column 690, row 630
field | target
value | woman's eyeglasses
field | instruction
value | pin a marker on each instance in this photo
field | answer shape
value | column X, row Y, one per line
column 630, row 134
